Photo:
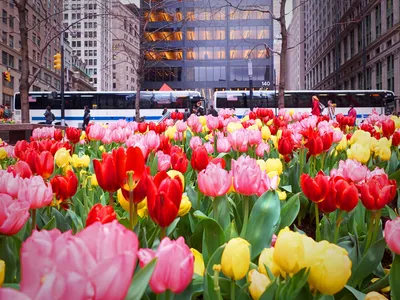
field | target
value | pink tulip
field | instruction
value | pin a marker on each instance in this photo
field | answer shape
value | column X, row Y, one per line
column 212, row 122
column 209, row 148
column 223, row 145
column 21, row 168
column 392, row 235
column 9, row 184
column 377, row 171
column 261, row 149
column 134, row 139
column 9, row 293
column 337, row 136
column 194, row 123
column 267, row 183
column 273, row 241
column 96, row 263
column 96, row 132
column 43, row 133
column 122, row 123
column 254, row 137
column 13, row 214
column 181, row 126
column 195, row 142
column 214, row 181
column 107, row 137
column 178, row 136
column 36, row 192
column 152, row 140
column 174, row 268
column 133, row 126
column 238, row 140
column 118, row 136
column 169, row 122
column 164, row 161
column 10, row 151
column 351, row 169
column 246, row 175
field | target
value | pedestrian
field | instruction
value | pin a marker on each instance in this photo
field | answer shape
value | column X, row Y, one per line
column 165, row 111
column 199, row 109
column 352, row 113
column 316, row 109
column 86, row 117
column 7, row 113
column 186, row 114
column 212, row 111
column 49, row 116
column 331, row 110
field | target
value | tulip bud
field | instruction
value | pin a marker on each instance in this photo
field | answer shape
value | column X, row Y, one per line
column 231, row 266
column 266, row 259
column 258, row 283
column 375, row 296
column 62, row 157
column 274, row 164
column 2, row 271
column 265, row 133
column 392, row 232
column 198, row 262
column 185, row 206
column 3, row 153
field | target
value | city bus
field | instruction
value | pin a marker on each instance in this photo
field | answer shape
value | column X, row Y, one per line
column 363, row 101
column 105, row 107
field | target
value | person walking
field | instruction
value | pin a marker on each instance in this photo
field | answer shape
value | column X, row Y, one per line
column 186, row 114
column 86, row 117
column 331, row 110
column 199, row 109
column 165, row 111
column 316, row 109
column 213, row 112
column 49, row 116
column 352, row 113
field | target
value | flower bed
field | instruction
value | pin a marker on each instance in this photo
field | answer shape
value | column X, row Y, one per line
column 266, row 207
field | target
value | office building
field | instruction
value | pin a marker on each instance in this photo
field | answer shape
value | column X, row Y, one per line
column 125, row 48
column 90, row 37
column 205, row 46
column 353, row 44
column 295, row 55
column 41, row 31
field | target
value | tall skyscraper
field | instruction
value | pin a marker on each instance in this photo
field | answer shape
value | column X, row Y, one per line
column 90, row 37
column 353, row 44
column 206, row 45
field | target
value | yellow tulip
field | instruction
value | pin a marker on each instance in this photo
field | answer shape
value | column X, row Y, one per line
column 342, row 144
column 62, row 157
column 233, row 126
column 80, row 162
column 262, row 164
column 266, row 259
column 253, row 127
column 142, row 209
column 359, row 152
column 173, row 173
column 102, row 149
column 83, row 135
column 281, row 194
column 361, row 137
column 396, row 121
column 3, row 153
column 2, row 271
column 203, row 120
column 125, row 202
column 274, row 164
column 279, row 133
column 235, row 259
column 93, row 180
column 291, row 112
column 170, row 132
column 258, row 283
column 384, row 290
column 375, row 296
column 384, row 153
column 185, row 206
column 259, row 123
column 198, row 262
column 274, row 139
column 293, row 251
column 265, row 133
column 330, row 268
column 245, row 119
column 269, row 123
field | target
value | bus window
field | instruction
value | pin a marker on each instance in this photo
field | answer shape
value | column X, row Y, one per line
column 106, row 101
column 87, row 100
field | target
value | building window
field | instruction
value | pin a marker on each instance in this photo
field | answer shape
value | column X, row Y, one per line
column 19, row 65
column 4, row 37
column 11, row 41
column 47, row 78
column 390, row 72
column 11, row 22
column 4, row 15
column 378, row 22
column 114, row 85
column 352, row 52
column 360, row 81
column 378, row 68
column 360, row 37
column 368, row 29
column 389, row 13
column 369, row 79
column 7, row 59
column 345, row 48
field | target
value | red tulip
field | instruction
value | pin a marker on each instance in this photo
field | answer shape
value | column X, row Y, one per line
column 141, row 189
column 58, row 135
column 252, row 115
column 199, row 158
column 327, row 140
column 64, row 186
column 179, row 161
column 329, row 203
column 44, row 164
column 315, row 145
column 179, row 115
column 173, row 116
column 106, row 172
column 368, row 128
column 99, row 213
column 20, row 148
column 30, row 158
column 130, row 160
column 285, row 143
column 346, row 194
column 142, row 127
column 163, row 199
column 73, row 134
column 377, row 192
column 21, row 168
column 316, row 189
column 396, row 138
column 388, row 128
column 218, row 160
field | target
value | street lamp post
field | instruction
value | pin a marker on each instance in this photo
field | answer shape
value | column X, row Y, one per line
column 250, row 70
column 62, row 81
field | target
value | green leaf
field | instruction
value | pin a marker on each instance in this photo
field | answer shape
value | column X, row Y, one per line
column 140, row 281
column 76, row 221
column 289, row 211
column 51, row 224
column 172, row 226
column 10, row 259
column 388, row 213
column 368, row 263
column 287, row 188
column 262, row 222
column 231, row 232
column 294, row 285
column 396, row 176
column 215, row 259
column 192, row 195
column 154, row 166
column 393, row 163
column 223, row 215
column 269, row 293
column 394, row 278
column 357, row 294
column 62, row 224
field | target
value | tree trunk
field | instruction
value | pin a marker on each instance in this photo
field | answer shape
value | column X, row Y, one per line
column 24, row 81
column 282, row 67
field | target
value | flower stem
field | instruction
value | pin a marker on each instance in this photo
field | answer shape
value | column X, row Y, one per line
column 318, row 230
column 163, row 233
column 33, row 214
column 301, row 161
column 215, row 210
column 370, row 232
column 338, row 221
column 132, row 211
column 323, row 160
column 376, row 226
column 215, row 144
column 111, row 195
column 232, row 290
column 245, row 216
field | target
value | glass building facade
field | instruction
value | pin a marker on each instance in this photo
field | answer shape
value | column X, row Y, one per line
column 205, row 45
